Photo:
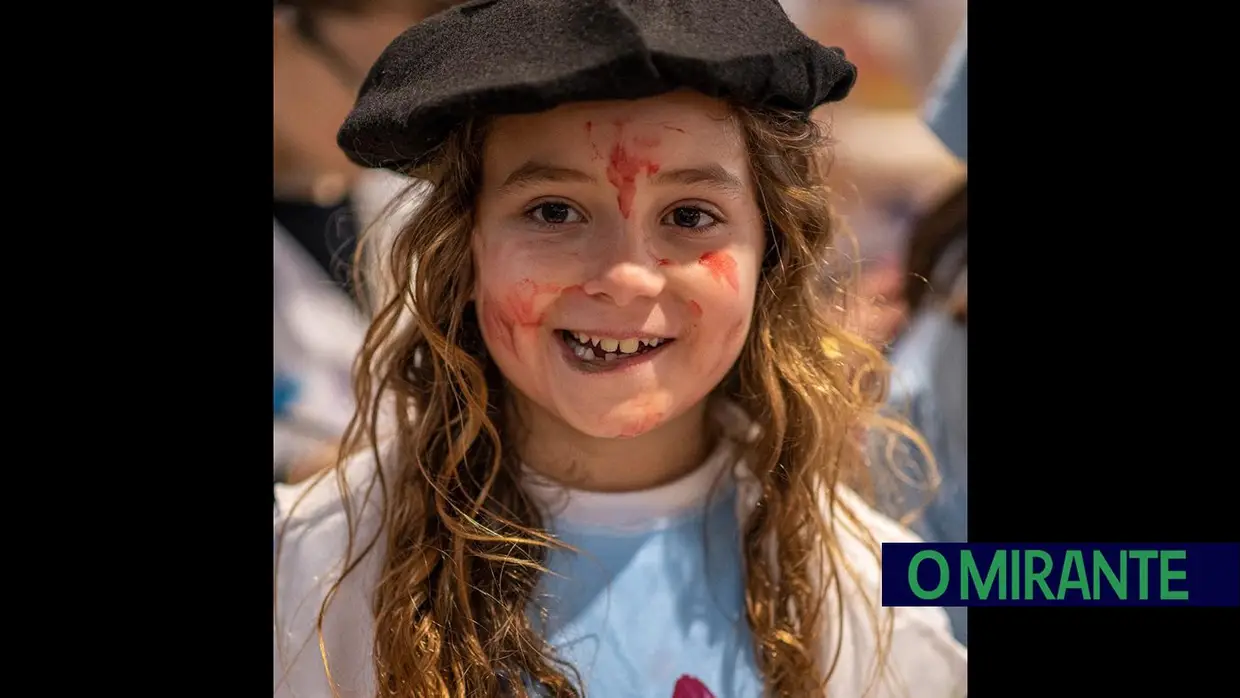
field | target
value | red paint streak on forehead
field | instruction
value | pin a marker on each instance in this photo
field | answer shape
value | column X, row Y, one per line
column 624, row 166
column 622, row 172
column 722, row 267
column 590, row 137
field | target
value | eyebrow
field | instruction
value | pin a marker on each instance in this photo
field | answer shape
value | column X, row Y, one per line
column 713, row 175
column 534, row 172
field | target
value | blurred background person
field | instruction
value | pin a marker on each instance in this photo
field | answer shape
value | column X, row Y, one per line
column 929, row 383
column 322, row 51
column 888, row 165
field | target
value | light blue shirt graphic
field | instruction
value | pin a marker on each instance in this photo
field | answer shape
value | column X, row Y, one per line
column 652, row 604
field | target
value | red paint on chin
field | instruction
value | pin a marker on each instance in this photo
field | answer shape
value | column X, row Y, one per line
column 722, row 267
column 689, row 687
column 647, row 422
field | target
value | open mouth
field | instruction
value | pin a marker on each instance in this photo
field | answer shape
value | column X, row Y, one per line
column 609, row 352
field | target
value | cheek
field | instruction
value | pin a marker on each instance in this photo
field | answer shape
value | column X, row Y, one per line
column 720, row 304
column 722, row 268
column 497, row 325
column 721, row 290
column 513, row 314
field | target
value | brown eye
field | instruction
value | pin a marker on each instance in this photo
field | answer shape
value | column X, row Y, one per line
column 689, row 217
column 554, row 213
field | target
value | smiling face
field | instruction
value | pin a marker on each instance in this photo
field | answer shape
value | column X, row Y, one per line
column 617, row 252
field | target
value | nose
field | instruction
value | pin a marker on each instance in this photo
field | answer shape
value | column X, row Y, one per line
column 628, row 272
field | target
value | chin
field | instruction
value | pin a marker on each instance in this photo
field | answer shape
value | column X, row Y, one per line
column 634, row 417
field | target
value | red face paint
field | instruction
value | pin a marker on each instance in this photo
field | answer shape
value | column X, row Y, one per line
column 624, row 167
column 622, row 172
column 590, row 137
column 722, row 267
column 647, row 422
column 695, row 309
column 503, row 318
column 520, row 301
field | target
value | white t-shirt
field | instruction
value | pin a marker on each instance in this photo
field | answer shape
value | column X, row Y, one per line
column 644, row 541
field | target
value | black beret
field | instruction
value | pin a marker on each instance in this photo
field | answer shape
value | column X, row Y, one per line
column 492, row 57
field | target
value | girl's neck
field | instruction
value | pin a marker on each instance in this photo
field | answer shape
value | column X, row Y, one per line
column 555, row 450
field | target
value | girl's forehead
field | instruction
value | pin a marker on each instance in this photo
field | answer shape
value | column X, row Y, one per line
column 682, row 122
column 683, row 110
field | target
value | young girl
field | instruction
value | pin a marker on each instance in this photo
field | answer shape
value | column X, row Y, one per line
column 602, row 450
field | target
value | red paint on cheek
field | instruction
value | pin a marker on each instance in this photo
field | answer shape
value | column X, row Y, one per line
column 694, row 309
column 522, row 300
column 722, row 267
column 517, row 311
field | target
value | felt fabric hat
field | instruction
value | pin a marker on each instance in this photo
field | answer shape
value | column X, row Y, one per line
column 495, row 57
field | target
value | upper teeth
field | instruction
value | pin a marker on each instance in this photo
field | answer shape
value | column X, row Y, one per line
column 627, row 345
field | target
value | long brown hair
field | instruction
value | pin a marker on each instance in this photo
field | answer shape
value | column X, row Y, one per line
column 465, row 546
